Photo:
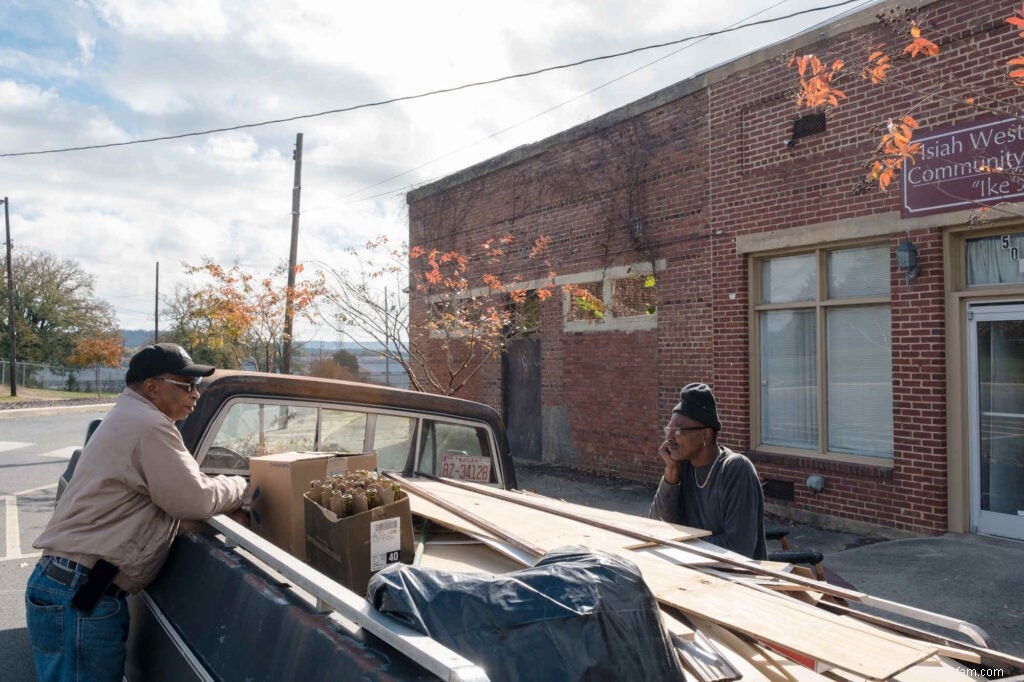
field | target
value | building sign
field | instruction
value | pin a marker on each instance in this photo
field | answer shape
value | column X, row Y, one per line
column 950, row 172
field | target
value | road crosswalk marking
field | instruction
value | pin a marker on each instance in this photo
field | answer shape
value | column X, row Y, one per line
column 12, row 445
column 12, row 530
column 61, row 453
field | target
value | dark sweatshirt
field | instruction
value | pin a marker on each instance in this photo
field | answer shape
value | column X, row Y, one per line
column 730, row 505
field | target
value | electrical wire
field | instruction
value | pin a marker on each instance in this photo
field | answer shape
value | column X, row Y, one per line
column 581, row 95
column 406, row 98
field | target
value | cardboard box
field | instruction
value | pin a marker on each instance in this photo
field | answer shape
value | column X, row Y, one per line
column 278, row 483
column 352, row 549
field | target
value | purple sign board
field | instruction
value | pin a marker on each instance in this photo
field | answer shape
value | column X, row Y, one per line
column 950, row 172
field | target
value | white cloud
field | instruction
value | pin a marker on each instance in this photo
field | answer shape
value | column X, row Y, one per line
column 116, row 70
column 162, row 19
column 86, row 44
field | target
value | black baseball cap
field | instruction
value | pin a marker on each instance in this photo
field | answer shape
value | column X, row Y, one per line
column 163, row 358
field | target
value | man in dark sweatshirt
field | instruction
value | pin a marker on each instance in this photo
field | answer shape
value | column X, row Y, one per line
column 706, row 485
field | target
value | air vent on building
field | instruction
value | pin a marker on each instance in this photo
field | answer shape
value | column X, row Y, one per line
column 812, row 124
column 779, row 490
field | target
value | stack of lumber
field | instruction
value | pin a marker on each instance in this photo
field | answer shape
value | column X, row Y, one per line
column 730, row 617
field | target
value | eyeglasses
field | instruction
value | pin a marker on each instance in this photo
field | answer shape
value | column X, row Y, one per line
column 679, row 430
column 188, row 386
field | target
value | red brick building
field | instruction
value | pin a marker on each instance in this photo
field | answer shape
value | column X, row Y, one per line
column 895, row 379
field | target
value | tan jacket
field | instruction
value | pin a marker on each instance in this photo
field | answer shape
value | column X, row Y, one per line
column 134, row 481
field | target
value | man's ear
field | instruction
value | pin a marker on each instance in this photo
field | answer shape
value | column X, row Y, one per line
column 148, row 388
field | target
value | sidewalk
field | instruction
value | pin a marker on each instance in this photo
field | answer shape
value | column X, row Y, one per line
column 969, row 577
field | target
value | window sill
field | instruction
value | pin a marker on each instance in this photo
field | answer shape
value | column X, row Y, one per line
column 823, row 464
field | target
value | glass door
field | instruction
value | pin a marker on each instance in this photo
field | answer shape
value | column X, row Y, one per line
column 996, row 414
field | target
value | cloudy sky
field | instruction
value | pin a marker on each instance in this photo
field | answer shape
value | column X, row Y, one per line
column 94, row 72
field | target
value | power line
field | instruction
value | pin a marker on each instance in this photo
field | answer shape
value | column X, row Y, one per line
column 523, row 122
column 406, row 98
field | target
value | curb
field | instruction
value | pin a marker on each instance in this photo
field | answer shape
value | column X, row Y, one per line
column 14, row 412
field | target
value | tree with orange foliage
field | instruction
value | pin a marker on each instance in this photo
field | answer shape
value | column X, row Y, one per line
column 817, row 89
column 103, row 350
column 237, row 316
column 471, row 313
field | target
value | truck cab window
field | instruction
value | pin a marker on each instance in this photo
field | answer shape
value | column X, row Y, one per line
column 457, row 451
column 254, row 429
column 342, row 431
column 392, row 441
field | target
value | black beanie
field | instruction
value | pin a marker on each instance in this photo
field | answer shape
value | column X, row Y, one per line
column 698, row 403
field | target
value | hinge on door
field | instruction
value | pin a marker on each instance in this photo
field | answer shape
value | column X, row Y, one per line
column 970, row 315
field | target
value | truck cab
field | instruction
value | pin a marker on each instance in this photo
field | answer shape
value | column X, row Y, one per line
column 226, row 599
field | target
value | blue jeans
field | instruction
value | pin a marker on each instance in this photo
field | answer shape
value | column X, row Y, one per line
column 67, row 645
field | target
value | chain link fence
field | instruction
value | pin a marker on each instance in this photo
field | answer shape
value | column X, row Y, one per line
column 57, row 378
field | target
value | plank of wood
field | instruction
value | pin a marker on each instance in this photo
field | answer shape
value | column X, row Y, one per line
column 935, row 669
column 676, row 626
column 770, row 617
column 662, row 530
column 537, row 527
column 474, row 558
column 754, row 661
column 776, row 619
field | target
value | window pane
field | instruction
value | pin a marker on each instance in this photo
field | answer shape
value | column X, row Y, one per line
column 858, row 272
column 789, row 383
column 1001, row 408
column 254, row 429
column 634, row 296
column 456, row 451
column 586, row 302
column 392, row 441
column 342, row 431
column 860, row 381
column 995, row 260
column 793, row 278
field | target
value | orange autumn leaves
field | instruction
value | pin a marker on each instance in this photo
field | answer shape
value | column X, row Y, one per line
column 1017, row 75
column 818, row 89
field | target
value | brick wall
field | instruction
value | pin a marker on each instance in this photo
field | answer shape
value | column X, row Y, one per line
column 698, row 172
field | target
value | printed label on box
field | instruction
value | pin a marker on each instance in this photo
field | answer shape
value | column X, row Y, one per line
column 466, row 467
column 385, row 543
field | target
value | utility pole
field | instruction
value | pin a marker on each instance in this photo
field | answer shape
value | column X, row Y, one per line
column 289, row 305
column 156, row 307
column 12, row 343
column 387, row 340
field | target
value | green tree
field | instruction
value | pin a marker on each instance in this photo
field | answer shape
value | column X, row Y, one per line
column 54, row 308
column 346, row 360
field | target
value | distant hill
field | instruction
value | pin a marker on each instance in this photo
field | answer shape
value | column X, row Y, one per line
column 133, row 338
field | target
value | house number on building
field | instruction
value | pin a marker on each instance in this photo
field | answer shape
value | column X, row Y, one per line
column 1014, row 251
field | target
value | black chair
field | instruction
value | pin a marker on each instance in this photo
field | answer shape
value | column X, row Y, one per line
column 809, row 557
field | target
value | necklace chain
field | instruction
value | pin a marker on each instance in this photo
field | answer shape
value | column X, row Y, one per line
column 710, row 472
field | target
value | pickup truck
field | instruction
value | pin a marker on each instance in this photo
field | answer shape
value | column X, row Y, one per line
column 230, row 605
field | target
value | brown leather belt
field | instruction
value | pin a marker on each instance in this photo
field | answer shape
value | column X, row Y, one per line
column 64, row 573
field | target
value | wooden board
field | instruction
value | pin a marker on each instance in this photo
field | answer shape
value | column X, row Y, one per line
column 766, row 616
column 779, row 620
column 466, row 558
column 540, row 528
column 661, row 530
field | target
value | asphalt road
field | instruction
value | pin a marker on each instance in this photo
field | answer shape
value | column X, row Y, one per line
column 35, row 446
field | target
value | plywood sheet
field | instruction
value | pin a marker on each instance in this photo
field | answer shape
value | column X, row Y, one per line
column 765, row 616
column 782, row 621
column 539, row 528
column 660, row 530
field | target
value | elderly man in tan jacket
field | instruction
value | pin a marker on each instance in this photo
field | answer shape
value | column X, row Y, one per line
column 112, row 529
